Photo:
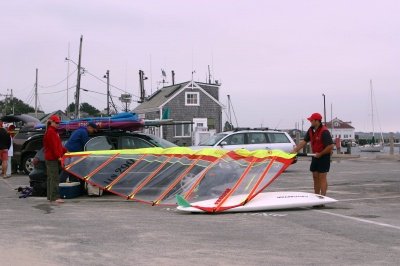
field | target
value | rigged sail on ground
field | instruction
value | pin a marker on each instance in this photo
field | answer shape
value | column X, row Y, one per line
column 156, row 176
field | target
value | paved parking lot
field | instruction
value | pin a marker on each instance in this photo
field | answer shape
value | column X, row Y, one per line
column 363, row 228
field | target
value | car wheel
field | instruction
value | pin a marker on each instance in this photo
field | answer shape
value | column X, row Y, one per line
column 27, row 163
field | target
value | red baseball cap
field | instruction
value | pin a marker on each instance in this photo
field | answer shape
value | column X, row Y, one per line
column 315, row 116
column 55, row 118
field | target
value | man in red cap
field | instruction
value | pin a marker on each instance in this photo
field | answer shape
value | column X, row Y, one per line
column 322, row 145
column 53, row 150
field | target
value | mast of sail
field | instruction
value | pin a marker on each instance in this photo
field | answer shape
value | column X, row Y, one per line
column 372, row 114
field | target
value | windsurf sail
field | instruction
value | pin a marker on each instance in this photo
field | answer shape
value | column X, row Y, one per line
column 222, row 179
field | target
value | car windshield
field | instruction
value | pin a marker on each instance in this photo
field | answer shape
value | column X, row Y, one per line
column 161, row 142
column 213, row 139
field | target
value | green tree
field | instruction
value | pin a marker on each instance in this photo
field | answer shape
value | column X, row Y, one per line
column 85, row 107
column 91, row 110
column 7, row 106
column 71, row 108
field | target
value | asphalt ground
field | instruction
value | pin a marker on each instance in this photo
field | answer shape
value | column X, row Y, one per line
column 363, row 228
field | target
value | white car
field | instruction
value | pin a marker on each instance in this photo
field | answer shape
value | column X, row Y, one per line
column 250, row 140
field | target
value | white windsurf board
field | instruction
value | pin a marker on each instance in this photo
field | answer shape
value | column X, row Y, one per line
column 265, row 201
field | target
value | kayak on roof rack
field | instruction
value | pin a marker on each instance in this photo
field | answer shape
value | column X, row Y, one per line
column 123, row 121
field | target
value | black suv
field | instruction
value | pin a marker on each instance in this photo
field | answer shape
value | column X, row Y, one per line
column 102, row 140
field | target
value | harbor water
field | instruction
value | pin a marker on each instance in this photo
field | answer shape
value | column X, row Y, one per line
column 356, row 151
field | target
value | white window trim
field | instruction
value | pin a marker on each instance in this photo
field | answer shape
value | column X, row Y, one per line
column 198, row 98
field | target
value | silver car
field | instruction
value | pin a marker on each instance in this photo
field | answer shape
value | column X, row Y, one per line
column 250, row 140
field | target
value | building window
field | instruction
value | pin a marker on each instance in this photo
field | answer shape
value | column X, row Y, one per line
column 192, row 98
column 183, row 130
column 211, row 123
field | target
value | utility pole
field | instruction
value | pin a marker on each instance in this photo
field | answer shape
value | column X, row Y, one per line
column 209, row 75
column 107, row 76
column 332, row 121
column 36, row 93
column 68, row 112
column 12, row 102
column 229, row 111
column 323, row 95
column 142, row 78
column 78, row 82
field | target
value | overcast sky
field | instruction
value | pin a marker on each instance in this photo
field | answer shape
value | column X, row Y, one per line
column 275, row 58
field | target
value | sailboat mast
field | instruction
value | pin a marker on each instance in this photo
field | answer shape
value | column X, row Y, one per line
column 372, row 110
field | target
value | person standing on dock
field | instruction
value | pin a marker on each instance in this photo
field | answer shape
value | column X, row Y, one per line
column 322, row 146
column 53, row 151
column 5, row 142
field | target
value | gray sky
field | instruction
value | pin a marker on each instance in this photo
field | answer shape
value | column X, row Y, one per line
column 275, row 58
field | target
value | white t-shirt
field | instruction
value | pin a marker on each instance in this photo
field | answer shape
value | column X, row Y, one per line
column 11, row 149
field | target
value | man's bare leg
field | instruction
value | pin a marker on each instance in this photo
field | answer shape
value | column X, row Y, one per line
column 323, row 183
column 4, row 167
column 317, row 184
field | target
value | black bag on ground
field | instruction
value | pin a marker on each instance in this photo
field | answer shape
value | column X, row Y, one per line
column 39, row 189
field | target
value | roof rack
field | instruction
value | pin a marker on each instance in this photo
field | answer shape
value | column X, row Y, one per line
column 248, row 128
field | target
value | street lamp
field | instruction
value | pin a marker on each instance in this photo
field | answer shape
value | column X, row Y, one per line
column 323, row 95
column 70, row 60
column 107, row 76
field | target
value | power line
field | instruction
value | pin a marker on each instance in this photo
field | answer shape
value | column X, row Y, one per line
column 58, row 83
column 110, row 84
column 40, row 104
column 56, row 91
column 52, row 92
column 101, row 93
column 29, row 101
column 30, row 94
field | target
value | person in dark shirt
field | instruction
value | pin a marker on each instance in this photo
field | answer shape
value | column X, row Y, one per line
column 80, row 137
column 322, row 145
column 76, row 143
column 5, row 142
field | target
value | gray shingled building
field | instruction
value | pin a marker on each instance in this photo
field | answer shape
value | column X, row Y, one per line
column 191, row 105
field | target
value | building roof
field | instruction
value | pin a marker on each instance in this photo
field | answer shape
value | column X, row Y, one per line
column 44, row 117
column 164, row 94
column 339, row 124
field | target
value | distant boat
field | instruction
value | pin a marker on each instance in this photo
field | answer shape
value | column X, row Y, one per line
column 372, row 146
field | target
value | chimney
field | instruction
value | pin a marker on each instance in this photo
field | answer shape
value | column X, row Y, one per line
column 173, row 77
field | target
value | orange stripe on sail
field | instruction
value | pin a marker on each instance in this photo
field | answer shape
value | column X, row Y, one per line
column 189, row 193
column 272, row 179
column 266, row 170
column 180, row 177
column 124, row 173
column 101, row 166
column 77, row 161
column 147, row 180
column 229, row 193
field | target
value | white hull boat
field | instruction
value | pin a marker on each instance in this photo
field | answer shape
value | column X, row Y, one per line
column 371, row 148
